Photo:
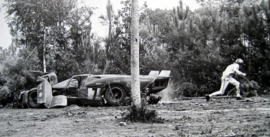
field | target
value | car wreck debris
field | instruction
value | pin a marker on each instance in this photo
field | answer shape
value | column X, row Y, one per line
column 93, row 90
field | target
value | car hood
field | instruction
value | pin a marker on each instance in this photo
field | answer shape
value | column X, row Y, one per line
column 98, row 80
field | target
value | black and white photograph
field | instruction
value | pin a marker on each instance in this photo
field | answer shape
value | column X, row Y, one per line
column 135, row 68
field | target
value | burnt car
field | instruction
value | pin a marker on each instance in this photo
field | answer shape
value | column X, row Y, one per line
column 88, row 89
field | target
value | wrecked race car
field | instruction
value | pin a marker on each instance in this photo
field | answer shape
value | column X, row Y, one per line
column 94, row 90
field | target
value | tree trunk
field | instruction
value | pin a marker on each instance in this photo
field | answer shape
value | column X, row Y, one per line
column 135, row 70
column 109, row 16
column 44, row 52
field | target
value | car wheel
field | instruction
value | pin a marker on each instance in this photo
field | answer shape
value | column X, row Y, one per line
column 32, row 99
column 115, row 95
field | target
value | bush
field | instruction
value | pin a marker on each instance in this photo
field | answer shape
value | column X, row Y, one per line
column 188, row 90
column 142, row 115
column 5, row 96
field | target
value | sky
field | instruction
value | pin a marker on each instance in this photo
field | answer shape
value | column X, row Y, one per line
column 101, row 30
column 5, row 37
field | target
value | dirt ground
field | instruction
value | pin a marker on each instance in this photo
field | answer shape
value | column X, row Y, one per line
column 193, row 117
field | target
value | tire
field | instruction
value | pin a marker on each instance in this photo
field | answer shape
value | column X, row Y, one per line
column 32, row 100
column 24, row 101
column 115, row 95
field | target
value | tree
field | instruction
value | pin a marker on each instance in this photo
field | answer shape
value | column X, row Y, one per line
column 153, row 30
column 255, row 29
column 108, row 19
column 135, row 70
column 59, row 30
column 32, row 19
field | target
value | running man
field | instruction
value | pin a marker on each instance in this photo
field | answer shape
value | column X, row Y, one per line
column 227, row 78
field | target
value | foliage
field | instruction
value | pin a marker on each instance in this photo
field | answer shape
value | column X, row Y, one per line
column 188, row 90
column 31, row 21
column 215, row 41
column 61, row 29
column 256, row 30
column 142, row 115
column 109, row 19
column 18, row 75
column 196, row 45
column 5, row 96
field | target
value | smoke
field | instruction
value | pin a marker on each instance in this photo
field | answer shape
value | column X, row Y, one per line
column 167, row 94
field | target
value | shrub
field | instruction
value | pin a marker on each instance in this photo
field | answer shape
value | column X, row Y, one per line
column 142, row 115
column 188, row 89
column 5, row 96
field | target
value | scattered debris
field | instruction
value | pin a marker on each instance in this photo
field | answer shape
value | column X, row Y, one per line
column 10, row 124
column 177, row 127
column 122, row 124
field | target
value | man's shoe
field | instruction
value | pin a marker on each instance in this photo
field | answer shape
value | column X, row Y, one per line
column 207, row 98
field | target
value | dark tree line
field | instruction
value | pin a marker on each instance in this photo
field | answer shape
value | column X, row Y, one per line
column 196, row 45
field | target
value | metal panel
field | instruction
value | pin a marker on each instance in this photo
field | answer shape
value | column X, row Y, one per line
column 44, row 93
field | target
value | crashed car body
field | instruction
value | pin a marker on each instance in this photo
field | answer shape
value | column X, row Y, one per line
column 88, row 89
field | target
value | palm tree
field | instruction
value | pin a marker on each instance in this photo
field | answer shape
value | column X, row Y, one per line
column 108, row 20
column 135, row 70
